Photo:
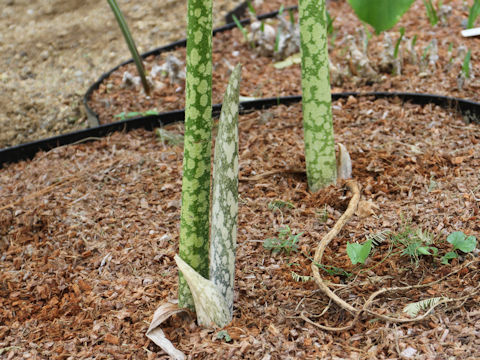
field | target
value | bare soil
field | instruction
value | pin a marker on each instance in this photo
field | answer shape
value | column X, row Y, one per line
column 52, row 51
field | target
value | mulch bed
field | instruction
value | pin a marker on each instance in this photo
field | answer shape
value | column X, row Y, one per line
column 88, row 232
column 88, row 244
column 437, row 73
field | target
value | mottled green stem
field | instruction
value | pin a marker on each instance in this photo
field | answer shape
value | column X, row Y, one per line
column 194, row 223
column 225, row 194
column 316, row 95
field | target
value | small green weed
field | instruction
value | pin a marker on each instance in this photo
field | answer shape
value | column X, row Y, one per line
column 431, row 12
column 130, row 43
column 280, row 204
column 473, row 14
column 397, row 44
column 461, row 242
column 330, row 21
column 243, row 31
column 416, row 242
column 333, row 270
column 358, row 253
column 224, row 335
column 285, row 242
column 466, row 65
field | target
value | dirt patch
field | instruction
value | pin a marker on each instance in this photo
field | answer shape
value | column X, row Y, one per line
column 52, row 51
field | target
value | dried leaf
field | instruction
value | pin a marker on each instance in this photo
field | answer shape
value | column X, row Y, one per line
column 156, row 334
column 366, row 208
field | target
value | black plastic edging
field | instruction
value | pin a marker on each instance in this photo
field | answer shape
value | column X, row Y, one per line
column 469, row 109
column 92, row 115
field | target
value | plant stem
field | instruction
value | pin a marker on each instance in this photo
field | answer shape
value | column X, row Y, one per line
column 317, row 99
column 225, row 194
column 194, row 222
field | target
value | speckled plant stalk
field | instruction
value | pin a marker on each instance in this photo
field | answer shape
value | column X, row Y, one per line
column 223, row 238
column 213, row 298
column 194, row 223
column 316, row 95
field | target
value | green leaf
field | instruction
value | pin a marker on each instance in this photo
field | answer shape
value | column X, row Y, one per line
column 461, row 242
column 381, row 14
column 358, row 253
column 449, row 256
column 223, row 334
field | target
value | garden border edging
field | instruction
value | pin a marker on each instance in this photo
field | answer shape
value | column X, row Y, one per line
column 469, row 109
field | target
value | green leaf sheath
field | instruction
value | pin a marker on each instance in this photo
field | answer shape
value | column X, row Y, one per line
column 194, row 223
column 316, row 95
column 225, row 194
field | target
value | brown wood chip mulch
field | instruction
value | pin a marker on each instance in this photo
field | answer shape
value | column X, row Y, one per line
column 88, row 233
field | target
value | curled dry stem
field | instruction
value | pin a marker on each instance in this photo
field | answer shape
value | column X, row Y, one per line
column 352, row 206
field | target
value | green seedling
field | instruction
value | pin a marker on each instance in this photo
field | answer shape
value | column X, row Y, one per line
column 128, row 115
column 292, row 17
column 277, row 40
column 427, row 49
column 431, row 12
column 358, row 253
column 414, row 40
column 251, row 9
column 415, row 242
column 397, row 44
column 130, row 43
column 466, row 65
column 224, row 335
column 285, row 242
column 460, row 241
column 280, row 204
column 330, row 21
column 243, row 31
column 333, row 270
column 473, row 14
column 280, row 11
